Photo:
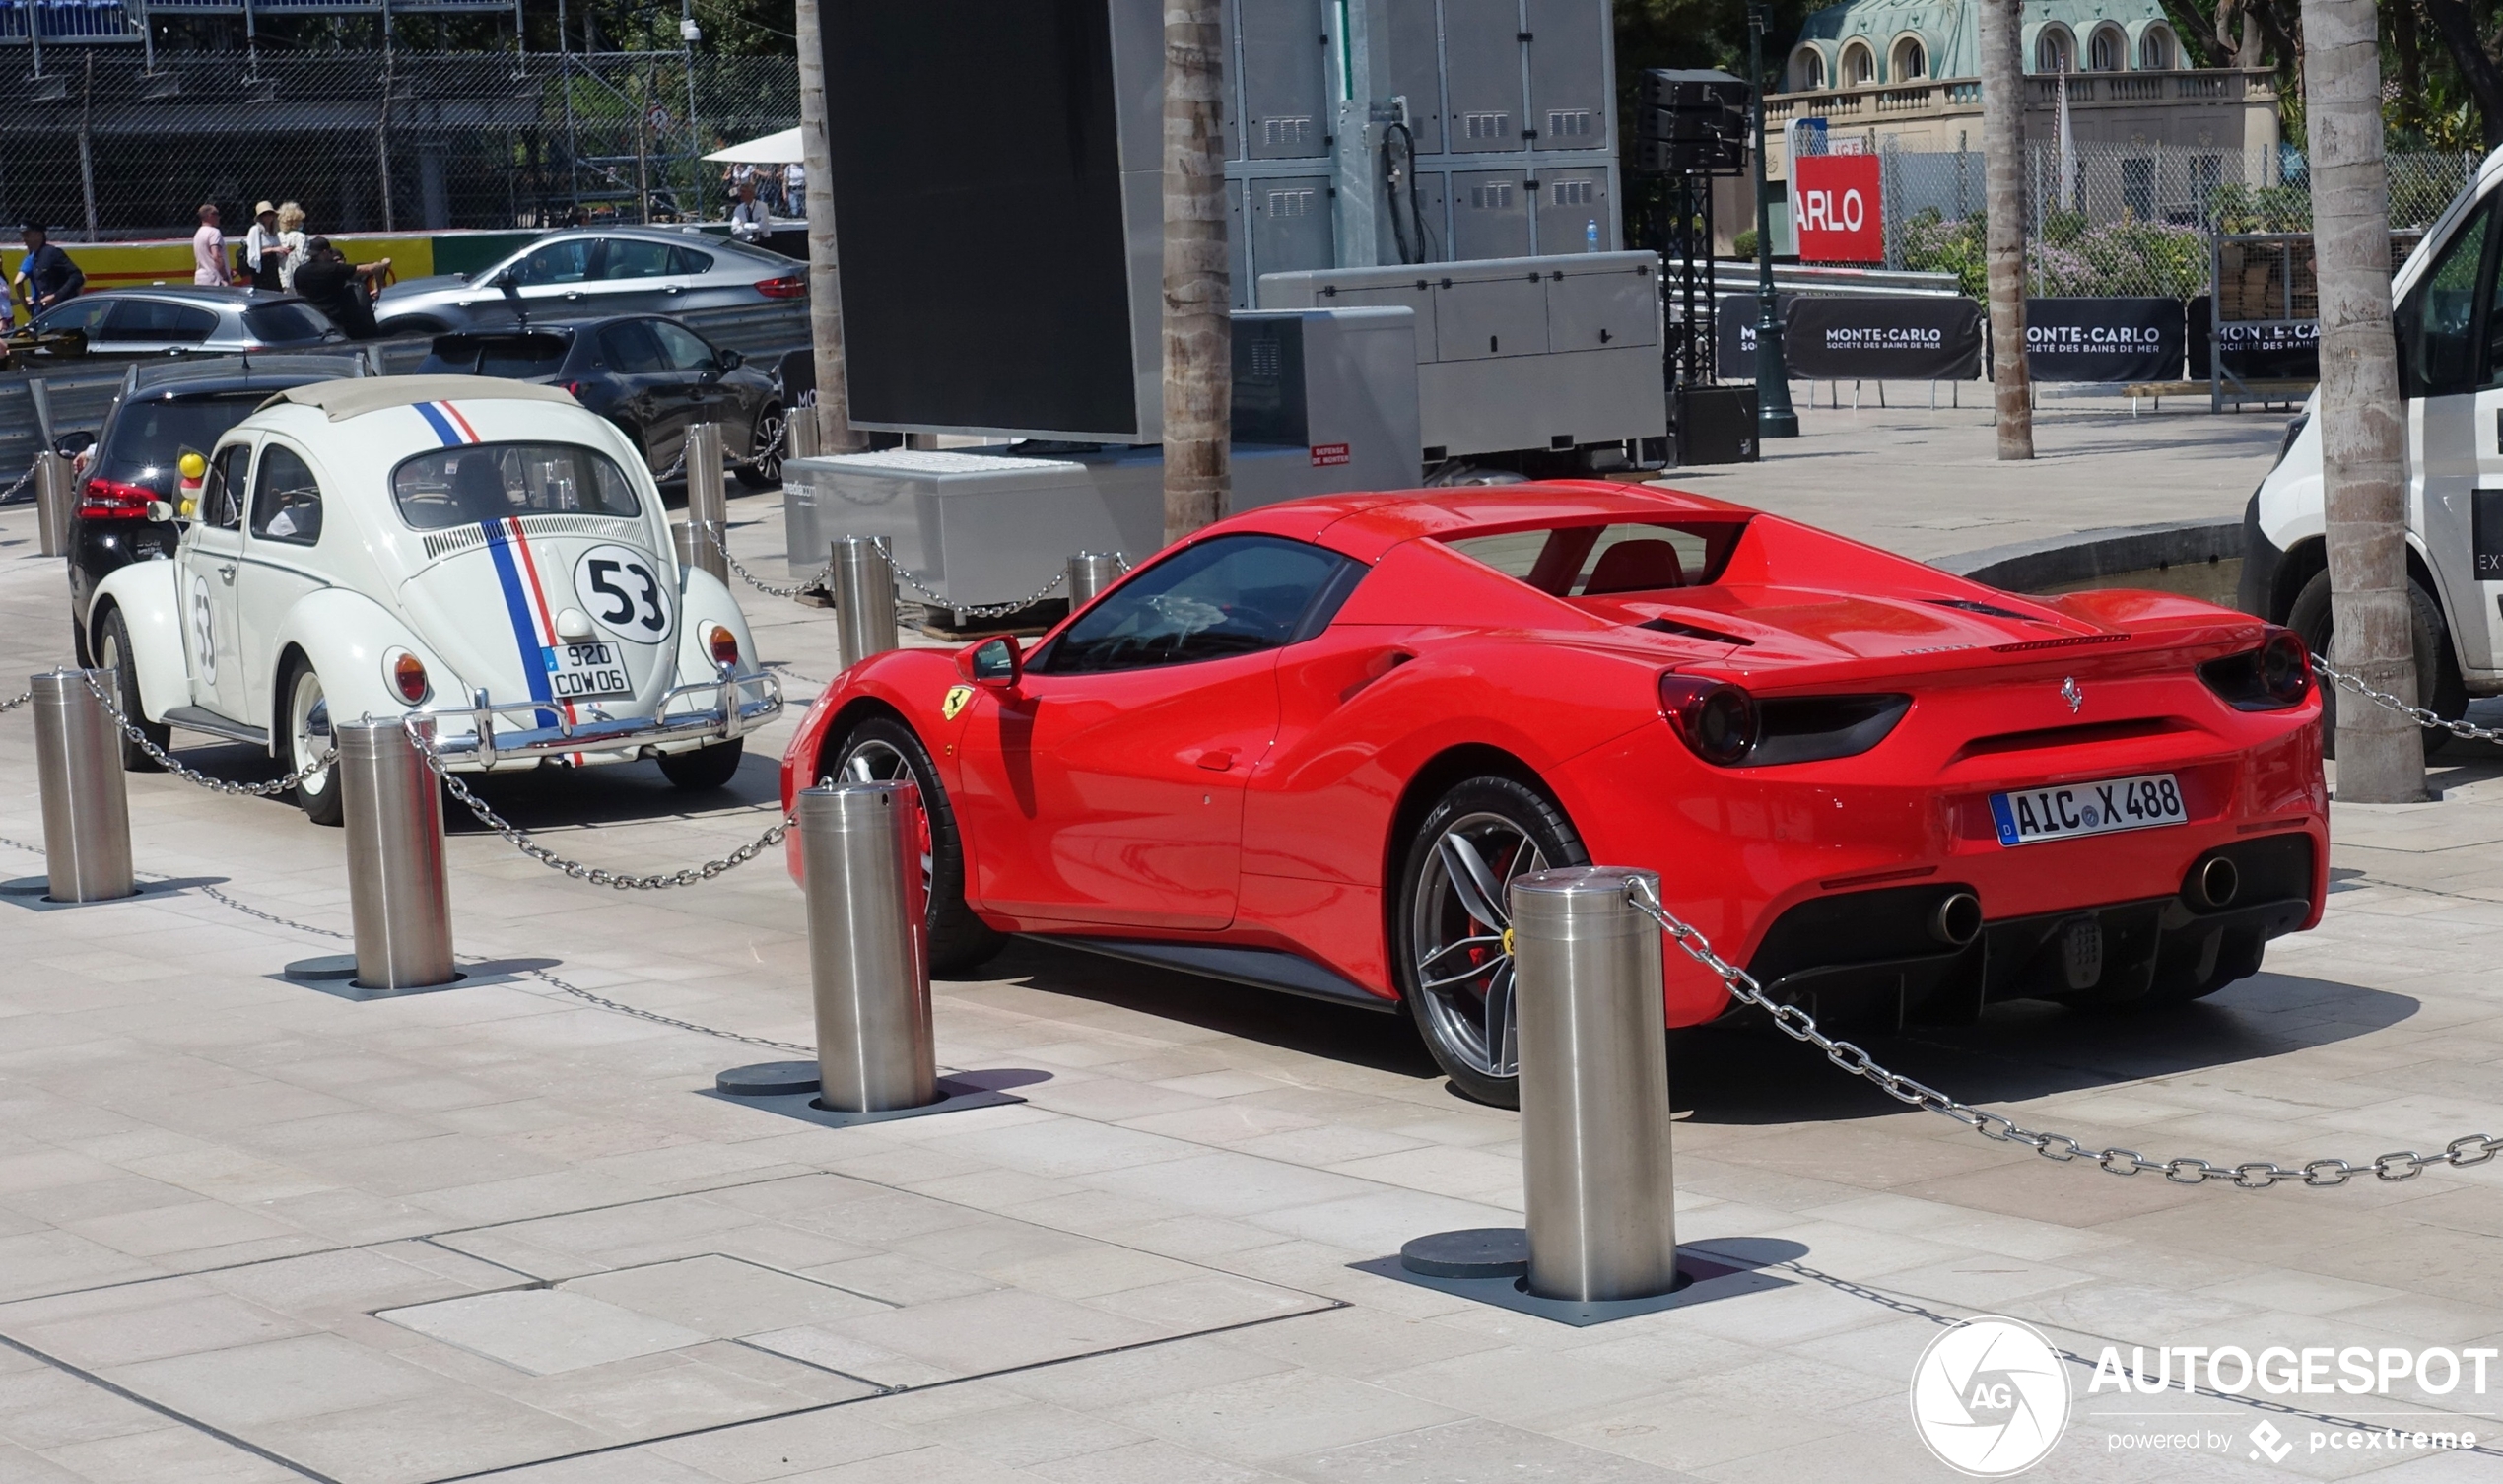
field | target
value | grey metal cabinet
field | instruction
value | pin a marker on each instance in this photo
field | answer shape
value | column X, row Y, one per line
column 1285, row 98
column 1490, row 213
column 1481, row 52
column 1419, row 214
column 1569, row 200
column 1485, row 313
column 1592, row 310
column 1290, row 223
column 1568, row 73
column 1415, row 294
column 1416, row 68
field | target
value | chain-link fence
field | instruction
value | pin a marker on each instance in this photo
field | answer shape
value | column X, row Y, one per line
column 381, row 141
column 2127, row 220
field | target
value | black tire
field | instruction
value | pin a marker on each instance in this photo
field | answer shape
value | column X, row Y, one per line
column 705, row 767
column 112, row 653
column 879, row 748
column 764, row 445
column 2310, row 618
column 1522, row 831
column 303, row 720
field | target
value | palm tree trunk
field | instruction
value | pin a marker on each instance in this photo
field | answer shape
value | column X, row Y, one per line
column 2363, row 435
column 2003, row 174
column 825, row 275
column 1198, row 335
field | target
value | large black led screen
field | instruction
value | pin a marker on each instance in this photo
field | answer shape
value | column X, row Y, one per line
column 978, row 201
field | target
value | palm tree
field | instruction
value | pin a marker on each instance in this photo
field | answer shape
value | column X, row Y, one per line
column 825, row 275
column 1198, row 335
column 2003, row 176
column 2363, row 432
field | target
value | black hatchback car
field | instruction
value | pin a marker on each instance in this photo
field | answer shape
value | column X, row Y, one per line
column 165, row 410
column 649, row 375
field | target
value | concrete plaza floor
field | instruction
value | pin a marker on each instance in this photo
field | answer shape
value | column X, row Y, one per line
column 250, row 1231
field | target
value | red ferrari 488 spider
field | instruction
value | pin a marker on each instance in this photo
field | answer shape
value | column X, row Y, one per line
column 1308, row 748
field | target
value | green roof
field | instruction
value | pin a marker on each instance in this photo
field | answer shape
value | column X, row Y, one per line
column 1949, row 35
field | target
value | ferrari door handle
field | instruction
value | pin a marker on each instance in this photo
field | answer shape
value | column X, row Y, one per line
column 1217, row 759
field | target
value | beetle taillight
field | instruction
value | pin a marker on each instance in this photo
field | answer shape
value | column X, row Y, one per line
column 407, row 676
column 1717, row 720
column 723, row 645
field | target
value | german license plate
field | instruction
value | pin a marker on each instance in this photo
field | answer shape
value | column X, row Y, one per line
column 2145, row 802
column 586, row 672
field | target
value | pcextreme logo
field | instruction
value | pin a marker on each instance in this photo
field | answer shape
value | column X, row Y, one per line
column 1989, row 1397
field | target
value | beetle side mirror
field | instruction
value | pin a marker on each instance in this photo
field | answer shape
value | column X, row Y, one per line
column 994, row 662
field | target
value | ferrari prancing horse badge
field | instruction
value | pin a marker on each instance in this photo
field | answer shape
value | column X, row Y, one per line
column 957, row 696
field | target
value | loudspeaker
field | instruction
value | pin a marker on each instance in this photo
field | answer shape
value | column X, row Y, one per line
column 1715, row 425
column 1689, row 120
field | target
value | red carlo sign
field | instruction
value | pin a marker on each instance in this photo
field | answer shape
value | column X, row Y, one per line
column 1839, row 204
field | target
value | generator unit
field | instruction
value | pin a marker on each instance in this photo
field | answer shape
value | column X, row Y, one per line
column 997, row 177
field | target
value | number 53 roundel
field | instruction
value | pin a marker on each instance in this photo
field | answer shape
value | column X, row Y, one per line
column 618, row 587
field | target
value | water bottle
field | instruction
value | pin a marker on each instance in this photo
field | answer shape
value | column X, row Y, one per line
column 1591, row 235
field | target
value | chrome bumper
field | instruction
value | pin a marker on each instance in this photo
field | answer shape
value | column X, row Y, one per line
column 737, row 704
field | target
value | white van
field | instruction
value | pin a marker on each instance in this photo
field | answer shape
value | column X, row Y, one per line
column 2449, row 322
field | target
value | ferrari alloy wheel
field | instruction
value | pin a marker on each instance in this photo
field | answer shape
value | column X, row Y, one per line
column 308, row 736
column 112, row 654
column 1452, row 936
column 764, row 470
column 881, row 749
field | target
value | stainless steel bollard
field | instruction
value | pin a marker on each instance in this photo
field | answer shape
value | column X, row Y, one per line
column 681, row 540
column 54, row 499
column 799, row 437
column 397, row 890
column 1595, row 1124
column 862, row 585
column 85, row 800
column 708, row 503
column 1090, row 572
column 868, row 946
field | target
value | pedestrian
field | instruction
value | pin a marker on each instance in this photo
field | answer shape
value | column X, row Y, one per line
column 340, row 289
column 748, row 219
column 262, row 255
column 795, row 190
column 45, row 275
column 291, row 241
column 208, row 251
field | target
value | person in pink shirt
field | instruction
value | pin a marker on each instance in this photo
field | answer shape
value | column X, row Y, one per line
column 208, row 251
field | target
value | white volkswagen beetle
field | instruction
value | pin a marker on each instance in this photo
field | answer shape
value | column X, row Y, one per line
column 482, row 553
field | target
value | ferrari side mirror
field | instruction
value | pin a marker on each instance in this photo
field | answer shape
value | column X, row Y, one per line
column 994, row 662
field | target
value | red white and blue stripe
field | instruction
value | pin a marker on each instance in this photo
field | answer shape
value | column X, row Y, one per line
column 447, row 423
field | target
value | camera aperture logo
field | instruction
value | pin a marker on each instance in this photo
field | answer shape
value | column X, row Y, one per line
column 1989, row 1397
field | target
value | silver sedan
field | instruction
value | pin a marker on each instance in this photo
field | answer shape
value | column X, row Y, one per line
column 579, row 273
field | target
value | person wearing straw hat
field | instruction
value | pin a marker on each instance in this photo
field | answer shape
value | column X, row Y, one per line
column 263, row 253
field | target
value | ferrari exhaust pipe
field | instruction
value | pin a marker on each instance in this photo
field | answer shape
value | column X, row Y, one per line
column 2213, row 883
column 1957, row 920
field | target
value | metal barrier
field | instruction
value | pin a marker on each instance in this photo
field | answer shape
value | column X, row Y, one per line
column 868, row 949
column 86, row 802
column 1595, row 1126
column 397, row 888
column 54, row 502
column 861, row 581
column 1090, row 572
column 708, row 503
column 800, row 431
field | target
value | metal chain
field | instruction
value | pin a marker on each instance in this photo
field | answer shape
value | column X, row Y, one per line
column 818, row 578
column 671, row 1020
column 2416, row 713
column 981, row 610
column 521, row 840
column 188, row 775
column 10, row 493
column 16, row 701
column 756, row 460
column 1799, row 1025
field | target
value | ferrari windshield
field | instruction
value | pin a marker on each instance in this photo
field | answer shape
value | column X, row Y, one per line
column 1589, row 561
column 1228, row 596
column 489, row 481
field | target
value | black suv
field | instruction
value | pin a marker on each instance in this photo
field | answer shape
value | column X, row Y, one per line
column 649, row 375
column 165, row 410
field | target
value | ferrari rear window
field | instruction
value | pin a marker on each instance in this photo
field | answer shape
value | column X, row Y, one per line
column 484, row 482
column 1589, row 561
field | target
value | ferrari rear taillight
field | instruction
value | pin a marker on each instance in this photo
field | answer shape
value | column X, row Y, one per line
column 789, row 285
column 1715, row 720
column 2276, row 675
column 112, row 500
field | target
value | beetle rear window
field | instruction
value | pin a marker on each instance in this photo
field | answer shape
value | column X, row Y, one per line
column 489, row 481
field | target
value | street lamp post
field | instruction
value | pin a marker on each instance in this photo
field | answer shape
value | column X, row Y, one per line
column 1774, row 417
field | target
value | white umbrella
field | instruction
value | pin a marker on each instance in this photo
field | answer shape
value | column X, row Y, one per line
column 773, row 149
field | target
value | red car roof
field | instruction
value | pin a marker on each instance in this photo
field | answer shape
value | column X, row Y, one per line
column 1366, row 525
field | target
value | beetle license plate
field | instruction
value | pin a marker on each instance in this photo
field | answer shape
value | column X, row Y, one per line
column 586, row 672
column 2145, row 802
